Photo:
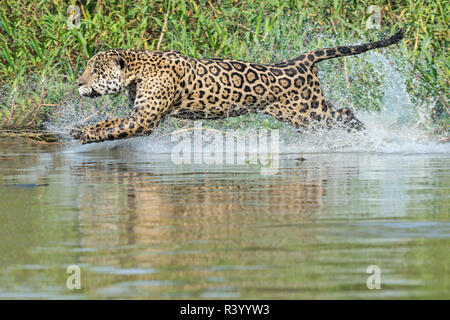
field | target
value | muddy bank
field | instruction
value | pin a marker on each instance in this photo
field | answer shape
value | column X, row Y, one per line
column 42, row 136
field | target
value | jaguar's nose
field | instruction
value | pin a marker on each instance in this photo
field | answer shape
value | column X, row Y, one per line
column 80, row 82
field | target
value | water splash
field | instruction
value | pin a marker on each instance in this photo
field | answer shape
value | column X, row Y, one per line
column 396, row 102
column 398, row 128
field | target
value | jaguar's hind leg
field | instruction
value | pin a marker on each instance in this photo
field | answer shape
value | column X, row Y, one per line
column 296, row 118
column 343, row 118
column 315, row 115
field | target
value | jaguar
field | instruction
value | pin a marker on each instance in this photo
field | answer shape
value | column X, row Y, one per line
column 163, row 83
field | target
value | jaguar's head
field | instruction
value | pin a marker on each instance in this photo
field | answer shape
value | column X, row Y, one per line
column 104, row 74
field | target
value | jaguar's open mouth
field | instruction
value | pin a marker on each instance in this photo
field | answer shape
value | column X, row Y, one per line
column 91, row 94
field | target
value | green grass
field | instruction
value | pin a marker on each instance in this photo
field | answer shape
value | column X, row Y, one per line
column 40, row 56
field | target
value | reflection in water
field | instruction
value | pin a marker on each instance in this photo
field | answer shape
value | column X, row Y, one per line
column 142, row 227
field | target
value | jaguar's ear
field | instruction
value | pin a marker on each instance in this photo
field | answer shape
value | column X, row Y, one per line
column 120, row 62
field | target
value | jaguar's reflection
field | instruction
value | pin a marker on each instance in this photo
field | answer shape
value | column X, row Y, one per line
column 140, row 206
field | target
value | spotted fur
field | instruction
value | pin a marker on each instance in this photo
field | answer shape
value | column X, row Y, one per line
column 169, row 83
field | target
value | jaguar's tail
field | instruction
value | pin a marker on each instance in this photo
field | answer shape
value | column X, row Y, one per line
column 329, row 53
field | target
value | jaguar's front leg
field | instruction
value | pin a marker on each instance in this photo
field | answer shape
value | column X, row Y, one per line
column 116, row 129
column 131, row 94
column 147, row 113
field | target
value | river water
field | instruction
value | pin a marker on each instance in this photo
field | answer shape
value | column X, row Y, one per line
column 139, row 225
